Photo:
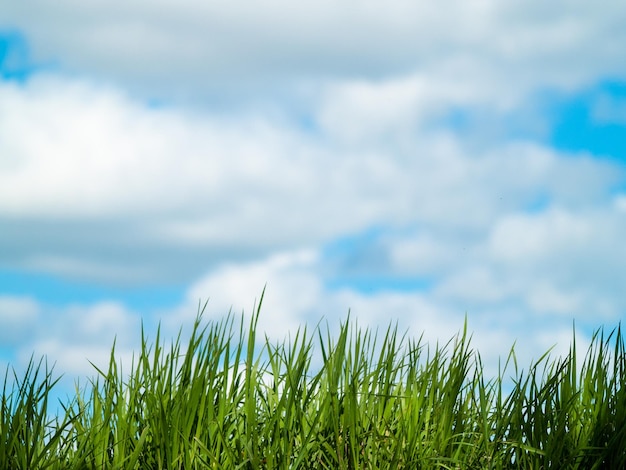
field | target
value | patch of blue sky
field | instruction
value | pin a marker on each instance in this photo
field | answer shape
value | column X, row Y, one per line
column 308, row 123
column 361, row 263
column 481, row 127
column 619, row 190
column 353, row 241
column 358, row 254
column 458, row 119
column 592, row 121
column 55, row 291
column 15, row 60
column 374, row 284
column 539, row 203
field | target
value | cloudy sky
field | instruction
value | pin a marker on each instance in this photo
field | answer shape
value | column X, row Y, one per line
column 408, row 161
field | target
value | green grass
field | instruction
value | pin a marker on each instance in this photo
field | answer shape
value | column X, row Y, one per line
column 375, row 401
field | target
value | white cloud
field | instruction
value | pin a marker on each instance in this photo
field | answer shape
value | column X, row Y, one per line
column 475, row 284
column 544, row 297
column 18, row 316
column 571, row 241
column 302, row 125
column 528, row 237
column 72, row 336
column 292, row 290
column 500, row 311
column 229, row 191
column 423, row 254
column 71, row 144
column 294, row 298
column 196, row 48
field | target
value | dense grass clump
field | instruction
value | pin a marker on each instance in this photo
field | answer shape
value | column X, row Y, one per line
column 373, row 402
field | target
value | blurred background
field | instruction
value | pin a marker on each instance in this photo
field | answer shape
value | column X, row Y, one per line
column 408, row 161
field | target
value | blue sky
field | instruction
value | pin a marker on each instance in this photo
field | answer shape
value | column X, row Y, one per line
column 387, row 158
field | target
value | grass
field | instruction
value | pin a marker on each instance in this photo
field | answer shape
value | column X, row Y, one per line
column 376, row 401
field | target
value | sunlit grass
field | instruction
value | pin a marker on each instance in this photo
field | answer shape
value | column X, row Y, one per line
column 219, row 401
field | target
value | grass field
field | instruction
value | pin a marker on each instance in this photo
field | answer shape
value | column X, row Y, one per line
column 376, row 402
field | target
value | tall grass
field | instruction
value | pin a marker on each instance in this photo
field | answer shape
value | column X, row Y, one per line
column 219, row 401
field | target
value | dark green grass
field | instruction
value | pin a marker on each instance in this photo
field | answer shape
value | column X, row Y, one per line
column 375, row 402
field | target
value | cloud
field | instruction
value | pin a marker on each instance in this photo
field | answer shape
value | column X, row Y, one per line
column 71, row 338
column 500, row 310
column 83, row 160
column 287, row 281
column 565, row 259
column 195, row 49
column 295, row 297
column 224, row 148
column 97, row 171
column 18, row 316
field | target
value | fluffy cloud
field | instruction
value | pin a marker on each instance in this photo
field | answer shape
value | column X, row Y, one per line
column 71, row 340
column 129, row 193
column 18, row 315
column 205, row 49
column 277, row 130
column 295, row 297
column 500, row 313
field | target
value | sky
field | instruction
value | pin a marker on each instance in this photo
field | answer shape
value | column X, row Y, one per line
column 420, row 163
